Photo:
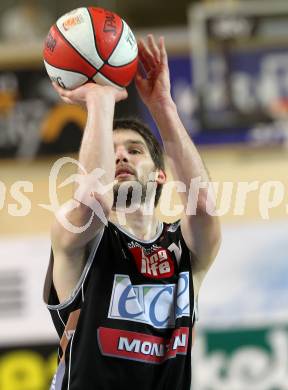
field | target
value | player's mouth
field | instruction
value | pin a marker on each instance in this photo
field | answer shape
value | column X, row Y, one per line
column 123, row 172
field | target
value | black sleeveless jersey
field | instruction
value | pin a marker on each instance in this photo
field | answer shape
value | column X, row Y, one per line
column 128, row 323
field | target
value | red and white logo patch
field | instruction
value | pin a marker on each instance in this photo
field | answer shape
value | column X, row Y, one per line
column 142, row 347
column 157, row 264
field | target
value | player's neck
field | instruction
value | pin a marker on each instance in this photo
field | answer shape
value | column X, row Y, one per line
column 140, row 225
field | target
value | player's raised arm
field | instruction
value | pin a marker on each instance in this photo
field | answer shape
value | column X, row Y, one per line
column 201, row 231
column 96, row 151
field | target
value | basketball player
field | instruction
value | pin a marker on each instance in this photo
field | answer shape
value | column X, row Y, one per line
column 122, row 296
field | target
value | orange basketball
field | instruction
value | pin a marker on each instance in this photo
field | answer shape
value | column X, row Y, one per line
column 90, row 44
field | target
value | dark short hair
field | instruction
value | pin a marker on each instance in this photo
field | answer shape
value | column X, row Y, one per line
column 152, row 143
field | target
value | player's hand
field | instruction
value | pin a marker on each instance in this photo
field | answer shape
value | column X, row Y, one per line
column 154, row 86
column 89, row 91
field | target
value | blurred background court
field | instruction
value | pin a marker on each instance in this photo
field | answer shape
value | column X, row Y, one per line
column 229, row 72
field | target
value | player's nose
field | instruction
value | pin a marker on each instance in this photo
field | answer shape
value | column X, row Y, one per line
column 121, row 155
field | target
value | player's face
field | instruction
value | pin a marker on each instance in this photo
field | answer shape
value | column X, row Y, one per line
column 133, row 160
column 132, row 157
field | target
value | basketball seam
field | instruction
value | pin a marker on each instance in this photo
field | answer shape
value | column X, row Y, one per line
column 69, row 70
column 112, row 81
column 94, row 35
column 75, row 48
column 113, row 66
column 119, row 66
column 120, row 36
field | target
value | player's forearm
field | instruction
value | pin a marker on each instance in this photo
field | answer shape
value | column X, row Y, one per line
column 97, row 144
column 183, row 157
column 97, row 149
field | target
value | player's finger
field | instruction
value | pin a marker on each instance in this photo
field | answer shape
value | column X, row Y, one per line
column 153, row 47
column 123, row 94
column 61, row 91
column 145, row 66
column 139, row 78
column 145, row 63
column 148, row 72
column 145, row 52
column 163, row 53
column 66, row 93
column 57, row 88
column 67, row 100
column 140, row 82
column 141, row 69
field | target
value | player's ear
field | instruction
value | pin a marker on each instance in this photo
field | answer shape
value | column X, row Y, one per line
column 161, row 177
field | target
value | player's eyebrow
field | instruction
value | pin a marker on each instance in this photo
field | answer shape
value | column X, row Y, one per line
column 134, row 143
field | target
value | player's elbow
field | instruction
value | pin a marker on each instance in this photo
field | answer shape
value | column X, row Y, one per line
column 206, row 204
column 214, row 237
column 76, row 223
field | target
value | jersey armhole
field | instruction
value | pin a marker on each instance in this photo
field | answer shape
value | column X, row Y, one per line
column 49, row 292
column 196, row 310
column 195, row 316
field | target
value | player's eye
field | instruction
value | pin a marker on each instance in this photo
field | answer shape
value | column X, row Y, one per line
column 134, row 151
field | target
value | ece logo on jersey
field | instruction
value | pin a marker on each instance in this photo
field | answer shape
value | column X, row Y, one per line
column 156, row 263
column 158, row 305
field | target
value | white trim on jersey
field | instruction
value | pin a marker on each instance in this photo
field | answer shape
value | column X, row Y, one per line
column 158, row 233
column 83, row 276
column 61, row 319
column 70, row 358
